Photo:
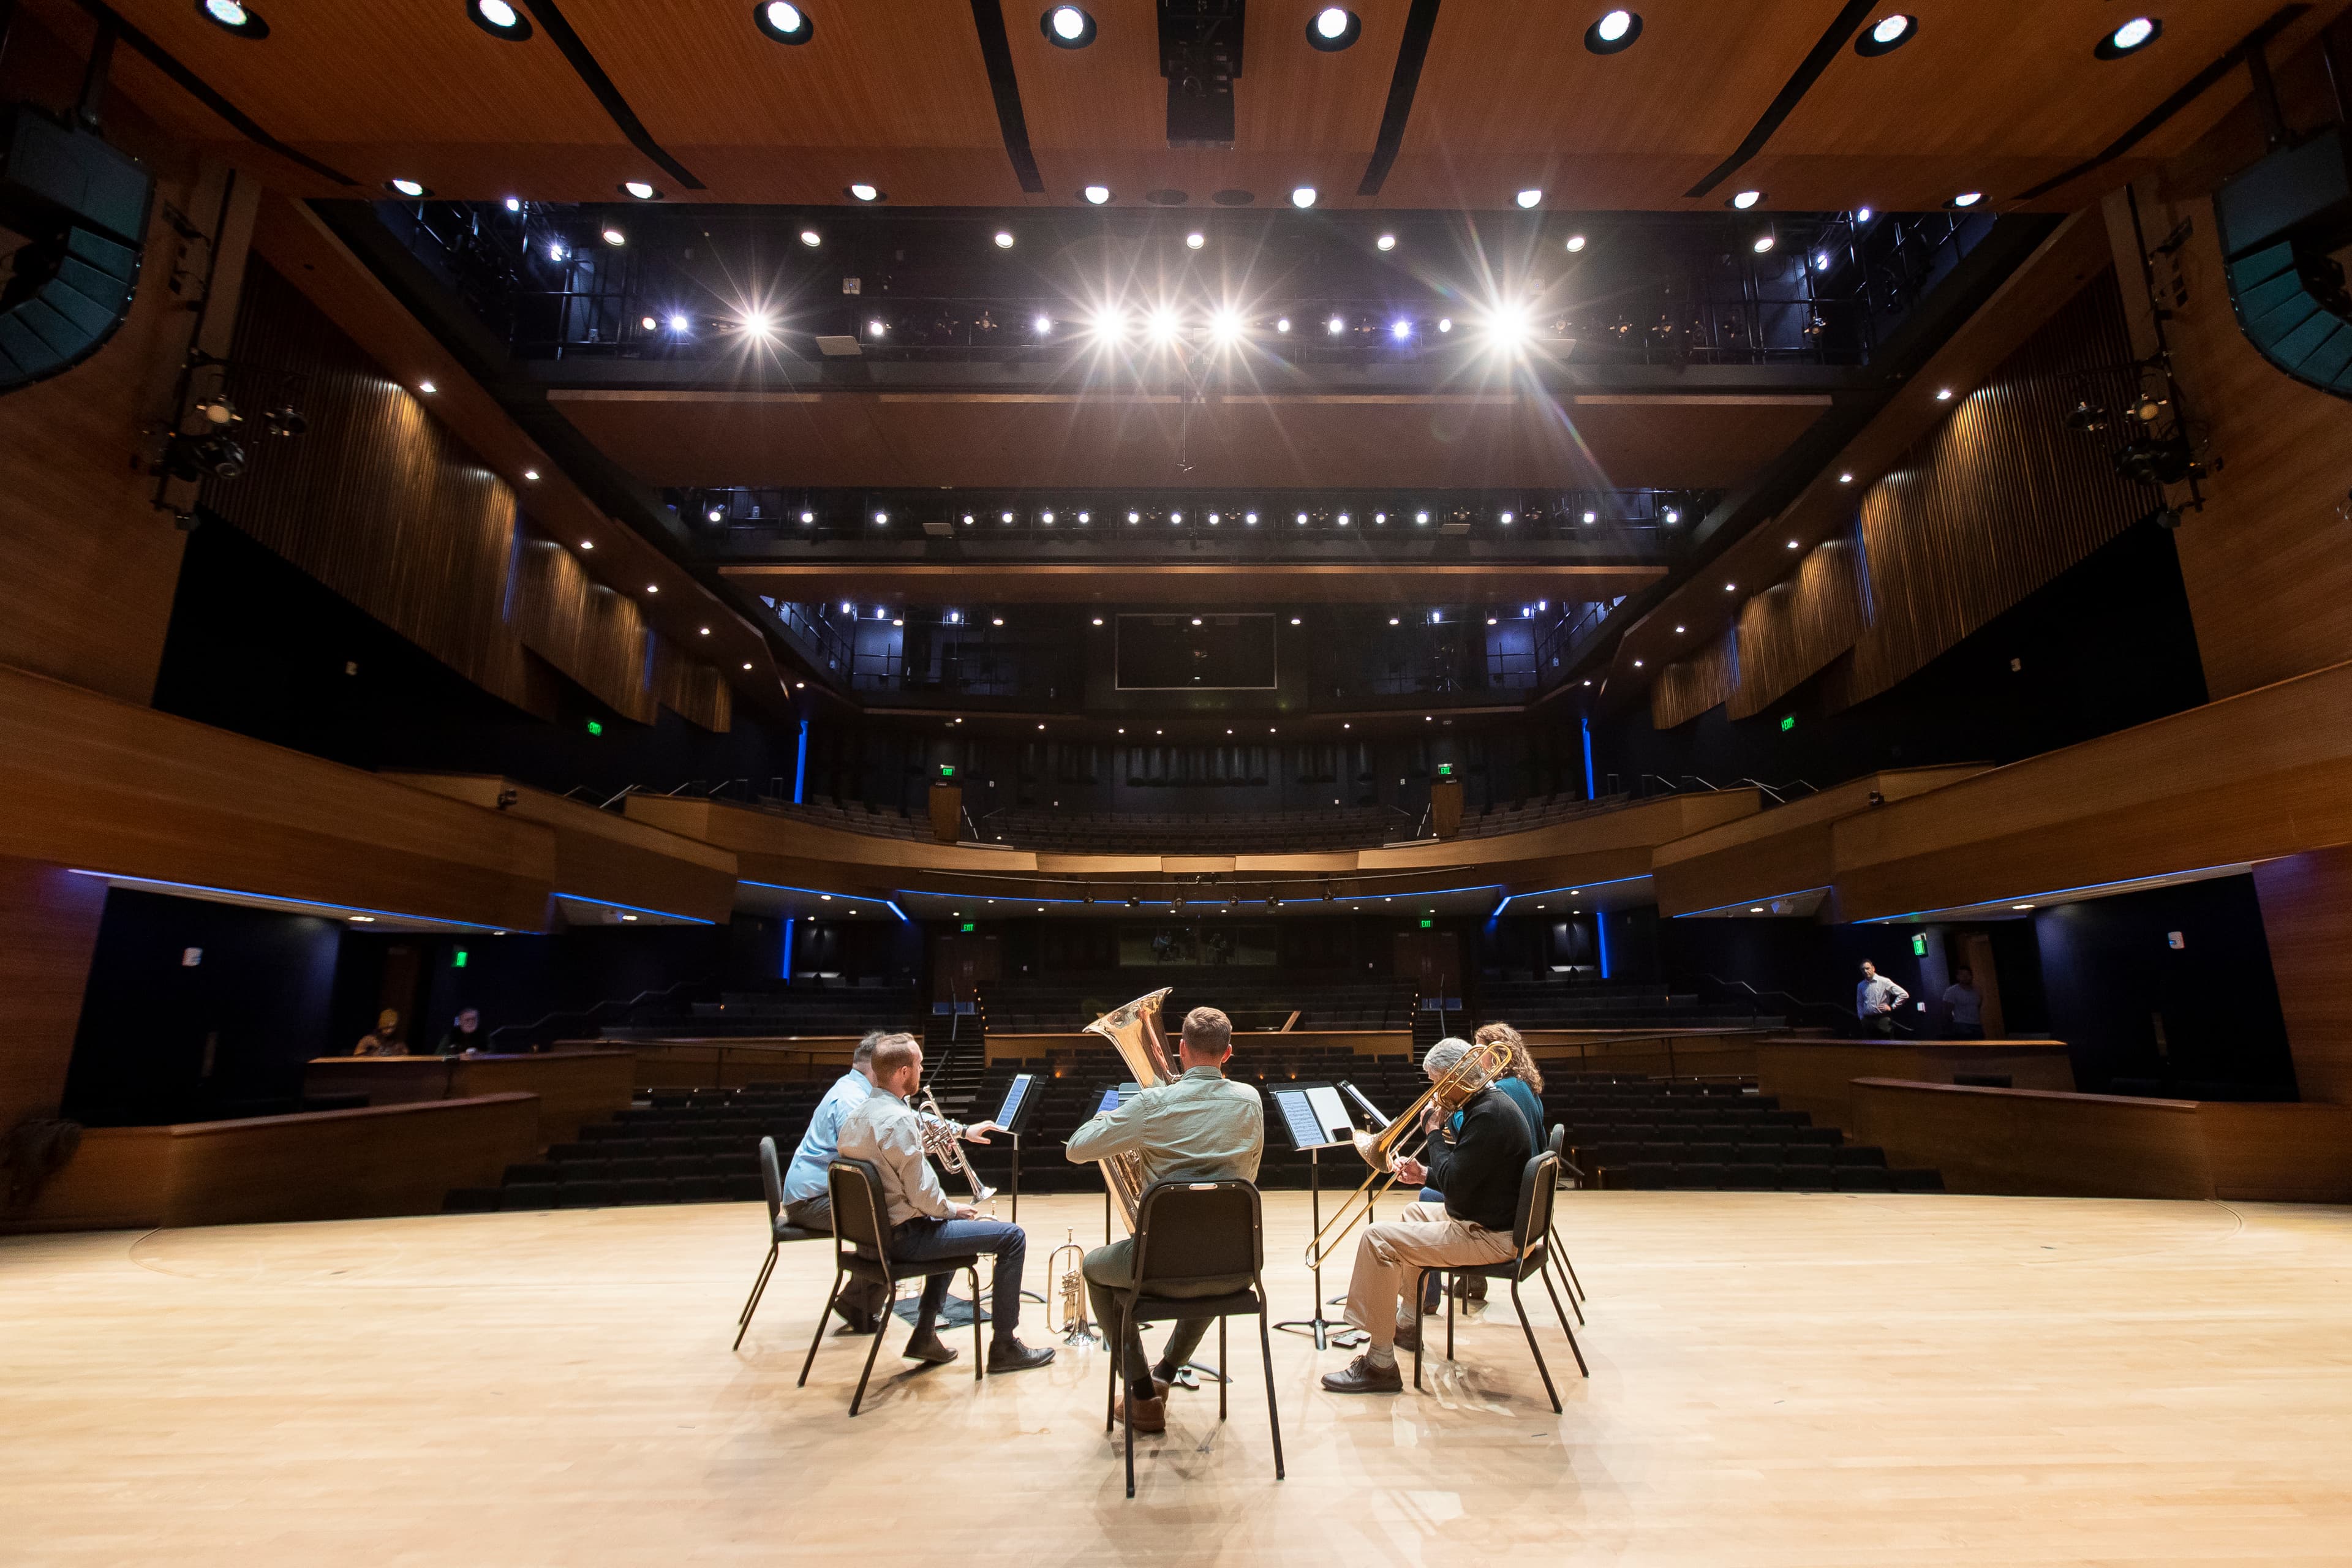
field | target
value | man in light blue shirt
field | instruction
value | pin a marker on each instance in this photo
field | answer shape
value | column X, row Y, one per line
column 808, row 1203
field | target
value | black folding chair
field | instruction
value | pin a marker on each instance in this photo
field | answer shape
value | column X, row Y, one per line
column 1556, row 1253
column 1537, row 1182
column 1192, row 1234
column 771, row 1177
column 858, row 1231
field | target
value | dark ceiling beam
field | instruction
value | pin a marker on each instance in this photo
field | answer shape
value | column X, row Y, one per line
column 1792, row 93
column 1005, row 87
column 592, row 75
column 1411, row 51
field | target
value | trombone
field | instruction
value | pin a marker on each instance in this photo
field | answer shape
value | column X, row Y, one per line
column 1455, row 1087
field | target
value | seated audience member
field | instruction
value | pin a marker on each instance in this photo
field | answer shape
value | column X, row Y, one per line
column 384, row 1041
column 1479, row 1171
column 1966, row 1003
column 1199, row 1127
column 886, row 1132
column 465, row 1034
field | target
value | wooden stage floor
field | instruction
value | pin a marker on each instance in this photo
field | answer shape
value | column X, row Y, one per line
column 1776, row 1379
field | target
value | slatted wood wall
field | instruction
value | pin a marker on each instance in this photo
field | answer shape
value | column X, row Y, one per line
column 1992, row 504
column 384, row 504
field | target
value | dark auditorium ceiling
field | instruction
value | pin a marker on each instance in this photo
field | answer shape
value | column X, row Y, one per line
column 1999, row 96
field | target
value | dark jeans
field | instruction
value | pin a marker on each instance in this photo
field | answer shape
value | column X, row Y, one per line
column 1879, row 1023
column 922, row 1240
column 1109, row 1271
column 1964, row 1031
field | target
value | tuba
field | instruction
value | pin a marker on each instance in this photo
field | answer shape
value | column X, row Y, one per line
column 1135, row 1030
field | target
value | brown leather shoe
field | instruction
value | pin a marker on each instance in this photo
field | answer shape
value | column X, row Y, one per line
column 1151, row 1414
column 1408, row 1338
column 1361, row 1376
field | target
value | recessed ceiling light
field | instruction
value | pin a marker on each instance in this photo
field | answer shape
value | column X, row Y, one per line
column 2020, row 906
column 747, row 664
column 1194, row 240
column 1304, row 196
column 2130, row 39
column 1283, row 325
column 1616, row 30
column 427, row 387
column 1575, row 243
column 1094, row 195
column 1528, row 197
column 1386, row 242
column 1886, row 35
column 409, row 188
column 1334, row 27
column 587, row 545
column 1678, row 631
column 1334, row 326
column 1966, row 199
column 882, row 518
column 1637, row 664
column 1067, row 27
column 653, row 587
column 1591, row 516
column 1792, row 544
column 1099, row 620
column 1845, row 479
column 641, row 191
column 706, row 631
column 862, row 192
column 530, row 473
column 785, row 24
column 1943, row 395
column 615, row 234
column 1744, row 200
column 1764, row 243
column 239, row 19
column 499, row 19
column 1004, row 239
column 1730, row 587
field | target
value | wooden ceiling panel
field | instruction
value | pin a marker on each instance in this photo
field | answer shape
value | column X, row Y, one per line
column 896, row 95
column 1510, row 98
column 408, row 73
column 915, row 441
column 1301, row 116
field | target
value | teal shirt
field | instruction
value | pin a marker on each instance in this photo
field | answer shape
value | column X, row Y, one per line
column 1516, row 1091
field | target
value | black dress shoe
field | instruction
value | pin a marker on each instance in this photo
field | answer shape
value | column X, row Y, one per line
column 930, row 1348
column 1009, row 1354
column 1361, row 1376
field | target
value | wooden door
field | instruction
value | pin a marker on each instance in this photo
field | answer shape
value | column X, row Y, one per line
column 1978, row 948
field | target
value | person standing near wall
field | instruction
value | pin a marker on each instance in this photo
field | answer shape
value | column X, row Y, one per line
column 1966, row 1006
column 1875, row 999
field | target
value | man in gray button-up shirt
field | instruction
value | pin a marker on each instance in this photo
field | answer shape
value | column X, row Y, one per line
column 1201, row 1128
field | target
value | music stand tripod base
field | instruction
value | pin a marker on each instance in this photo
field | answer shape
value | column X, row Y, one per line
column 1325, row 1332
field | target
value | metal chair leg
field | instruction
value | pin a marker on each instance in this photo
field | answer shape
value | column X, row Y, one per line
column 978, row 1355
column 1419, row 1283
column 1449, row 1317
column 743, row 1323
column 881, row 1327
column 1127, row 1407
column 1224, row 1359
column 1533, row 1349
column 1552, row 1254
column 822, row 1319
column 1577, row 1349
column 1266, row 1359
column 1110, row 1389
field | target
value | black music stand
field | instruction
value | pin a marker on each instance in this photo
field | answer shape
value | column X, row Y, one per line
column 1379, row 1121
column 1311, row 1131
column 1012, row 1116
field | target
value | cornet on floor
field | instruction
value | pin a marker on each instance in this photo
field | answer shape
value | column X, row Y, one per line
column 940, row 1140
column 1070, row 1287
column 1455, row 1088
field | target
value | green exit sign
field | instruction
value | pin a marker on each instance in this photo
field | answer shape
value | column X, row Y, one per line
column 946, row 771
column 458, row 960
column 1426, row 924
column 595, row 728
column 966, row 926
column 1918, row 944
column 1788, row 720
column 1445, row 770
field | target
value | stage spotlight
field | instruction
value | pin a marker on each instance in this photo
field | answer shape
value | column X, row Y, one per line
column 1342, row 520
column 1251, row 519
column 1085, row 516
column 1046, row 517
column 1302, row 520
column 1421, row 519
column 716, row 515
column 1591, row 516
column 1225, row 326
column 1401, row 329
column 1303, row 197
column 1109, row 323
column 1165, row 326
column 1673, row 514
column 679, row 324
column 1176, row 520
column 1507, row 326
column 1004, row 239
column 1861, row 216
column 1385, row 242
column 1283, row 325
column 1820, row 261
column 1004, row 517
column 514, row 203
column 882, row 519
column 811, row 238
column 1096, row 196
column 1616, row 30
column 1528, row 198
column 2087, row 415
column 1334, row 326
column 1135, row 517
column 1506, row 520
column 648, row 323
column 1444, row 323
column 1744, row 200
column 808, row 517
column 877, row 328
column 641, row 190
column 1043, row 326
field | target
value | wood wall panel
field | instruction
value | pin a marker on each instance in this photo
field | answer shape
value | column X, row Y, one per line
column 695, row 691
column 573, row 1087
column 2001, row 498
column 1790, row 632
column 378, row 501
column 1690, row 687
column 1816, row 1076
column 1790, row 849
column 88, row 781
column 48, row 928
column 2306, row 903
column 332, row 1165
column 590, row 632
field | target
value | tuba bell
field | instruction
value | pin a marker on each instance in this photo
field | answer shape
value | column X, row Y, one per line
column 1135, row 1030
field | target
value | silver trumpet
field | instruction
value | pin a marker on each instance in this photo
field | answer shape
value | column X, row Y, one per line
column 939, row 1138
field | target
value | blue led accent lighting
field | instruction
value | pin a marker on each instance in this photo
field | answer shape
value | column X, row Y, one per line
column 1198, row 903
column 1601, row 929
column 2227, row 868
column 895, row 909
column 1749, row 903
column 1547, row 892
column 287, row 898
column 636, row 909
column 800, row 764
column 820, row 893
column 1589, row 792
column 789, row 922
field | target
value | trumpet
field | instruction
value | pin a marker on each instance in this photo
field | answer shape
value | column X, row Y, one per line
column 940, row 1140
column 1455, row 1087
column 1071, row 1286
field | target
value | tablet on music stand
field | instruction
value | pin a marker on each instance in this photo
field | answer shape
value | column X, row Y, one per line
column 1013, row 1114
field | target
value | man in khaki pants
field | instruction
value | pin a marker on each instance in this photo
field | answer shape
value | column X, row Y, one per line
column 1479, row 1172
